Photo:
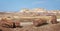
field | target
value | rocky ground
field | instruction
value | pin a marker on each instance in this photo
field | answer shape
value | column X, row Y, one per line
column 46, row 27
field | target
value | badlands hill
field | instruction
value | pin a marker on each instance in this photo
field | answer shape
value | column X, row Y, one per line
column 31, row 12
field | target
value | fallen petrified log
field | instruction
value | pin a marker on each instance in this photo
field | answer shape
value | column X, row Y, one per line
column 53, row 19
column 40, row 21
column 9, row 23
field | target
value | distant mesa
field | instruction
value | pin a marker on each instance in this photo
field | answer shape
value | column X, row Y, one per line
column 24, row 10
column 33, row 10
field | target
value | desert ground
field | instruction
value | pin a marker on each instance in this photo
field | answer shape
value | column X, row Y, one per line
column 27, row 27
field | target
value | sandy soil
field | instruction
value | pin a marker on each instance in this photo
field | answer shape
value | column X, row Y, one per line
column 47, row 27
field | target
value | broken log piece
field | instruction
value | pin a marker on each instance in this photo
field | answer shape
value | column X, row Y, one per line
column 38, row 22
column 53, row 19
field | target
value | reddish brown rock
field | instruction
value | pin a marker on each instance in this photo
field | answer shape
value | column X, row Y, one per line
column 53, row 19
column 9, row 22
column 38, row 22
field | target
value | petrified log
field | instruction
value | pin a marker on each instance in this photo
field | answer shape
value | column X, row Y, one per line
column 38, row 22
column 53, row 19
column 9, row 23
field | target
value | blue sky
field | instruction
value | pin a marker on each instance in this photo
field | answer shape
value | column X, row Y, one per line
column 16, row 5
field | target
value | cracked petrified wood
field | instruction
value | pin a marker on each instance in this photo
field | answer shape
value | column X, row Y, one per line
column 53, row 19
column 38, row 22
column 9, row 23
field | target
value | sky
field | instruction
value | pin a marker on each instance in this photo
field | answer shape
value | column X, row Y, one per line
column 17, row 5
